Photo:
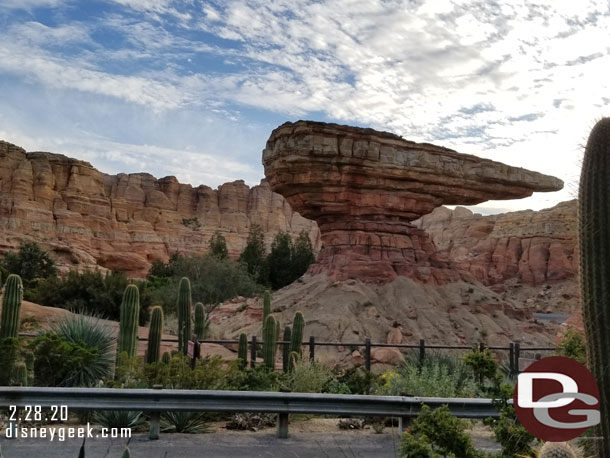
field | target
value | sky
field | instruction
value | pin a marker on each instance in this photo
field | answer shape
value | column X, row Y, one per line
column 193, row 88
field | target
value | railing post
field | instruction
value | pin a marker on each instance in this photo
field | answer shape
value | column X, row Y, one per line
column 367, row 353
column 517, row 356
column 253, row 353
column 511, row 358
column 282, row 425
column 312, row 348
column 403, row 424
column 155, row 420
column 422, row 351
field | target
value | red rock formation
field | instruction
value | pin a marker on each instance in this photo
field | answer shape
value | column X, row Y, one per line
column 364, row 188
column 534, row 247
column 125, row 222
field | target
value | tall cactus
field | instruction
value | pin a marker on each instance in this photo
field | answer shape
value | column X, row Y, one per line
column 594, row 241
column 11, row 307
column 21, row 374
column 199, row 321
column 269, row 342
column 184, row 314
column 128, row 326
column 242, row 350
column 154, row 335
column 266, row 307
column 298, row 323
column 286, row 349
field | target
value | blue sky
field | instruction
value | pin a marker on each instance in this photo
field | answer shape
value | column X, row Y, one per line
column 193, row 88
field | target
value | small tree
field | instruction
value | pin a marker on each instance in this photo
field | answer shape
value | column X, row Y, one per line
column 279, row 261
column 303, row 255
column 29, row 262
column 253, row 255
column 218, row 246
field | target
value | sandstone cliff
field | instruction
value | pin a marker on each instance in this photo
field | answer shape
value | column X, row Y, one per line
column 89, row 219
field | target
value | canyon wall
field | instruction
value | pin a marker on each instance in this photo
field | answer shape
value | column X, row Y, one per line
column 88, row 219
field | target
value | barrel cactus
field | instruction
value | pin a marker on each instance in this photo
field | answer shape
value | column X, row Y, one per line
column 557, row 450
column 269, row 342
column 166, row 358
column 298, row 323
column 242, row 350
column 184, row 314
column 200, row 321
column 155, row 332
column 11, row 307
column 21, row 374
column 128, row 326
column 594, row 244
column 286, row 348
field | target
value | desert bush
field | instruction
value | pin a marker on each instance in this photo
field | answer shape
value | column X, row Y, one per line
column 572, row 345
column 29, row 262
column 251, row 421
column 308, row 376
column 13, row 352
column 260, row 378
column 357, row 379
column 438, row 375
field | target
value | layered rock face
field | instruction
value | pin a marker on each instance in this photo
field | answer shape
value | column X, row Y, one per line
column 125, row 222
column 535, row 247
column 364, row 188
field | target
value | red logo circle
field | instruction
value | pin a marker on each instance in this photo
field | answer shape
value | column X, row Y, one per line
column 545, row 408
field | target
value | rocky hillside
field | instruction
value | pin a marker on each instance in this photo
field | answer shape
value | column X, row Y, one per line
column 123, row 222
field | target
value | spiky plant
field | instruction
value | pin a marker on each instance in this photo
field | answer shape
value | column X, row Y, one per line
column 594, row 241
column 286, row 348
column 269, row 342
column 202, row 323
column 557, row 450
column 128, row 325
column 90, row 331
column 183, row 422
column 184, row 314
column 11, row 307
column 126, row 453
column 117, row 418
column 242, row 350
column 298, row 323
column 154, row 335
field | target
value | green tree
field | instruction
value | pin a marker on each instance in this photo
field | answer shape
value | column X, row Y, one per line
column 218, row 246
column 279, row 261
column 303, row 255
column 29, row 262
column 253, row 255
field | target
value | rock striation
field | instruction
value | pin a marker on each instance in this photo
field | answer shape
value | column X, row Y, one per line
column 364, row 188
column 534, row 247
column 125, row 222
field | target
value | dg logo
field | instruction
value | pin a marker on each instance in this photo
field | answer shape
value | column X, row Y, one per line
column 557, row 399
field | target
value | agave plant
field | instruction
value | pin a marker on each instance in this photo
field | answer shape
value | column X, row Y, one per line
column 183, row 422
column 118, row 418
column 93, row 333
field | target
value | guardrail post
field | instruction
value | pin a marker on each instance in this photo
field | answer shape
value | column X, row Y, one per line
column 511, row 358
column 253, row 353
column 282, row 425
column 312, row 348
column 422, row 351
column 403, row 424
column 155, row 420
column 517, row 356
column 367, row 353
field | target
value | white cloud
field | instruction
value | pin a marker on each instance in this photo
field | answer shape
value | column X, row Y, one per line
column 29, row 4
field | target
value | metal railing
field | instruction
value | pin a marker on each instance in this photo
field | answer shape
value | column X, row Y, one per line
column 157, row 401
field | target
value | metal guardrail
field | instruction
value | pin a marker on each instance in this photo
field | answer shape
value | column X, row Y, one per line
column 156, row 401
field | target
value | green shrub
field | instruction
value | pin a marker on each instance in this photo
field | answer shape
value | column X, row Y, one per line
column 440, row 431
column 12, row 353
column 218, row 246
column 572, row 345
column 253, row 256
column 309, row 376
column 29, row 262
column 259, row 379
column 357, row 379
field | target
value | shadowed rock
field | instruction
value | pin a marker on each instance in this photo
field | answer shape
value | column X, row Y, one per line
column 364, row 187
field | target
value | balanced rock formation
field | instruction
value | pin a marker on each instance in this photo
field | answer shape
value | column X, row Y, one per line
column 364, row 188
column 534, row 247
column 89, row 219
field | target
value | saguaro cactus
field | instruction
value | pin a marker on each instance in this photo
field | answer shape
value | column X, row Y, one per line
column 269, row 342
column 594, row 240
column 242, row 350
column 154, row 335
column 298, row 324
column 11, row 307
column 266, row 307
column 166, row 357
column 286, row 348
column 184, row 314
column 199, row 321
column 128, row 326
